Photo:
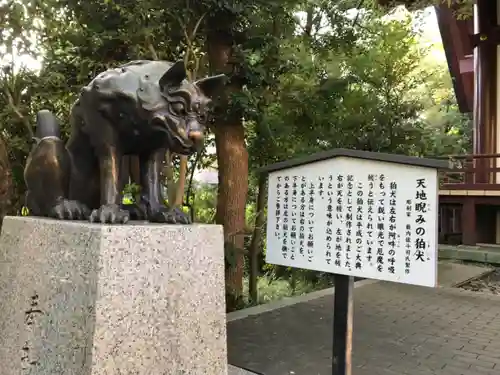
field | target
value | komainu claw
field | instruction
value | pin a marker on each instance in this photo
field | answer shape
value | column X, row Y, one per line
column 169, row 216
column 110, row 213
column 70, row 210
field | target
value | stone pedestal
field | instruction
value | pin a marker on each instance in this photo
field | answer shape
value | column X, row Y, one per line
column 88, row 299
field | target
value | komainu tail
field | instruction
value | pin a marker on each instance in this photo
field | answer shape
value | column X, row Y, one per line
column 48, row 167
column 47, row 125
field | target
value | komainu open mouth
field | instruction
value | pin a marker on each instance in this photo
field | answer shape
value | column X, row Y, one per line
column 179, row 141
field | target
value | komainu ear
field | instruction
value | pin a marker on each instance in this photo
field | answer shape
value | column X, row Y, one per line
column 174, row 76
column 211, row 86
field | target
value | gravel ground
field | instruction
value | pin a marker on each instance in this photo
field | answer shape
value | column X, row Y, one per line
column 487, row 284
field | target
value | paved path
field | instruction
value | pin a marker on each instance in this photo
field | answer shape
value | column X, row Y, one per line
column 239, row 371
column 398, row 329
column 452, row 273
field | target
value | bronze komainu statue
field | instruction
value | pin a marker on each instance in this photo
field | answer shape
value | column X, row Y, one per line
column 141, row 108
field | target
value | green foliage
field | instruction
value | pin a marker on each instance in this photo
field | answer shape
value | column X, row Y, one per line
column 366, row 95
column 368, row 90
column 204, row 203
column 131, row 193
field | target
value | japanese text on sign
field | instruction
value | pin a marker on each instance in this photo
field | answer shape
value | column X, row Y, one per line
column 363, row 219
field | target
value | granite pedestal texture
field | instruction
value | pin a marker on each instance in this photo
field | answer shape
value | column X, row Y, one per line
column 87, row 299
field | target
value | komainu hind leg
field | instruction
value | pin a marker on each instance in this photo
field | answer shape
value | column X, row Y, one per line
column 152, row 194
column 47, row 174
column 101, row 137
column 137, row 211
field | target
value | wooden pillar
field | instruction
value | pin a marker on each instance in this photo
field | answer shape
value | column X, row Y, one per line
column 497, row 128
column 485, row 60
column 469, row 231
column 496, row 103
column 443, row 223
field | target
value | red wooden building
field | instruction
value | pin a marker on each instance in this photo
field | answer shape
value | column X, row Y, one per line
column 469, row 195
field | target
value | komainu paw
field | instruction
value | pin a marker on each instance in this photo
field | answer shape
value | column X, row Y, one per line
column 110, row 213
column 169, row 216
column 70, row 210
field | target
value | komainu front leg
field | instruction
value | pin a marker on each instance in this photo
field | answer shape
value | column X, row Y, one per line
column 111, row 210
column 152, row 195
column 47, row 174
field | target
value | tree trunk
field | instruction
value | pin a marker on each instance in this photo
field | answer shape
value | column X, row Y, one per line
column 6, row 186
column 255, row 244
column 232, row 159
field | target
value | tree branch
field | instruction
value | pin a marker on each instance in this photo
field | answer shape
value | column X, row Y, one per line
column 309, row 22
column 151, row 48
column 18, row 113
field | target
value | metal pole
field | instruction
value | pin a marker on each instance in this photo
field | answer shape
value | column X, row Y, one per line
column 342, row 325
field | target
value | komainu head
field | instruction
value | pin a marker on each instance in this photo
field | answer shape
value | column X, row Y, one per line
column 183, row 111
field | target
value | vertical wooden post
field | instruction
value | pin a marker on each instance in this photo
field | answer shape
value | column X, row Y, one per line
column 470, row 170
column 485, row 71
column 469, row 232
column 342, row 325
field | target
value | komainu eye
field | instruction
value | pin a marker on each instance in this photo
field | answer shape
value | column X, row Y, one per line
column 202, row 117
column 178, row 108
